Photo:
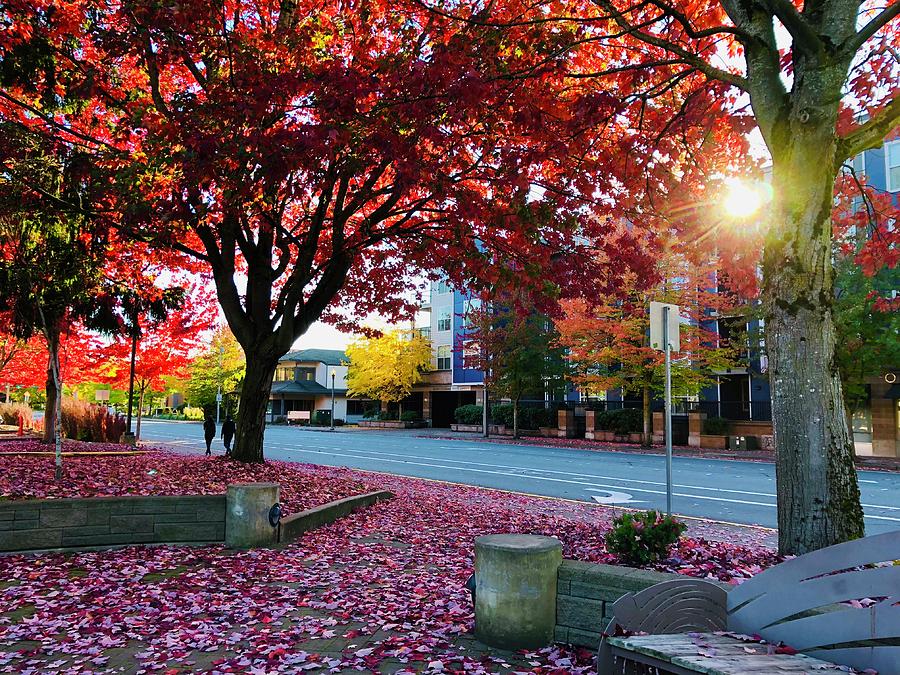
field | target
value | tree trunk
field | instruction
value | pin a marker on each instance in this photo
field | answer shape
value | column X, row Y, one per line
column 53, row 395
column 140, row 413
column 515, row 418
column 648, row 419
column 818, row 493
column 255, row 391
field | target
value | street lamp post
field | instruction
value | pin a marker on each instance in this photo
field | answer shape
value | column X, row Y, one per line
column 219, row 388
column 332, row 398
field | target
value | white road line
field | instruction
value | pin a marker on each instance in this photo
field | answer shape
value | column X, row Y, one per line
column 555, row 480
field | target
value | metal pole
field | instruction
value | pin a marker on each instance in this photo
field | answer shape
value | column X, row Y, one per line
column 134, row 341
column 332, row 399
column 484, row 413
column 219, row 388
column 668, row 413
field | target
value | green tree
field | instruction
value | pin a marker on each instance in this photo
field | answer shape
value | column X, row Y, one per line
column 221, row 365
column 517, row 347
column 867, row 336
column 386, row 367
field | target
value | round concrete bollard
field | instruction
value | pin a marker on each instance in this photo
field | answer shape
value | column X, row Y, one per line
column 515, row 590
column 247, row 514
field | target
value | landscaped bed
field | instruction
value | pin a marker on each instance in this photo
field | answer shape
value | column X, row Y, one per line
column 159, row 473
column 382, row 588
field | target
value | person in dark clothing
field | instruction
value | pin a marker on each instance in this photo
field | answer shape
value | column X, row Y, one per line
column 209, row 432
column 228, row 430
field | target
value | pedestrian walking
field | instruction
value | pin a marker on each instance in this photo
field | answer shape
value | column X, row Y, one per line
column 209, row 432
column 228, row 430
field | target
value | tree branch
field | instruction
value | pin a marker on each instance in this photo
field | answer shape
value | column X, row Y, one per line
column 871, row 134
column 700, row 64
column 852, row 44
column 805, row 38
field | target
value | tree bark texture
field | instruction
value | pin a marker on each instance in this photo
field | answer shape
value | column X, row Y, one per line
column 254, row 401
column 818, row 493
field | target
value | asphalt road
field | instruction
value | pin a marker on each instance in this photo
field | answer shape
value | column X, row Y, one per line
column 727, row 490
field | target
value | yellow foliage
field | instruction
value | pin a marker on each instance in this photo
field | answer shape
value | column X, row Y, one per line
column 386, row 368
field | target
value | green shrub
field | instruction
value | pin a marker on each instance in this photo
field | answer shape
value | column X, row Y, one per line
column 321, row 418
column 9, row 414
column 410, row 416
column 716, row 426
column 502, row 413
column 643, row 538
column 372, row 412
column 622, row 421
column 469, row 414
column 535, row 418
column 338, row 422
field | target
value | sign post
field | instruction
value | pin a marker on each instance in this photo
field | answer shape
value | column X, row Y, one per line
column 665, row 334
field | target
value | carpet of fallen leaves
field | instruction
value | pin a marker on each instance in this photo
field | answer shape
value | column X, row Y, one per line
column 159, row 473
column 381, row 590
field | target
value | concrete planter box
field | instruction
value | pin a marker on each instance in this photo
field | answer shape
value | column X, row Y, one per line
column 548, row 432
column 635, row 438
column 393, row 424
column 713, row 442
column 468, row 428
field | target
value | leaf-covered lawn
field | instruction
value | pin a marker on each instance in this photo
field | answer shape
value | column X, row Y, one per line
column 381, row 590
column 160, row 473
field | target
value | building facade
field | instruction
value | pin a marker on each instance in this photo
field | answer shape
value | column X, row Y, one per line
column 306, row 380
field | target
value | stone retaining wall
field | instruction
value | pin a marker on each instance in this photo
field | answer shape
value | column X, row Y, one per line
column 108, row 521
column 585, row 593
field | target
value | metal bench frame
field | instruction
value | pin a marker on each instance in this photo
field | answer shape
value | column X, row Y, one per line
column 795, row 602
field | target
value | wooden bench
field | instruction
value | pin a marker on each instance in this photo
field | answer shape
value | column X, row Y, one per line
column 298, row 416
column 709, row 653
column 840, row 604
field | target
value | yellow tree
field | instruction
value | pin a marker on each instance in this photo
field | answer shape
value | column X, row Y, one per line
column 386, row 367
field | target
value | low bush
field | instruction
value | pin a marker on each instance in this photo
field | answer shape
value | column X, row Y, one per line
column 502, row 413
column 410, row 416
column 9, row 414
column 338, row 422
column 622, row 421
column 469, row 414
column 643, row 538
column 82, row 421
column 372, row 412
column 387, row 416
column 535, row 418
column 716, row 426
column 190, row 413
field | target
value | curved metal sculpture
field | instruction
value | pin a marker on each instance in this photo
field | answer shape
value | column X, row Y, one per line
column 678, row 606
column 806, row 603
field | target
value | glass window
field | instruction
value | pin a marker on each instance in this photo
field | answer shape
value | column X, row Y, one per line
column 308, row 374
column 443, row 357
column 440, row 287
column 892, row 155
column 444, row 320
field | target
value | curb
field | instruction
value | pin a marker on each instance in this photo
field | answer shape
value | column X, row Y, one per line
column 294, row 526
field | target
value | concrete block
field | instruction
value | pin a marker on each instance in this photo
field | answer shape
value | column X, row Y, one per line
column 7, row 514
column 154, row 505
column 26, row 540
column 99, row 515
column 563, row 586
column 132, row 523
column 174, row 532
column 584, row 638
column 212, row 513
column 107, row 539
column 27, row 513
column 63, row 517
column 516, row 580
column 73, row 533
column 23, row 524
column 175, row 518
column 581, row 613
column 247, row 514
